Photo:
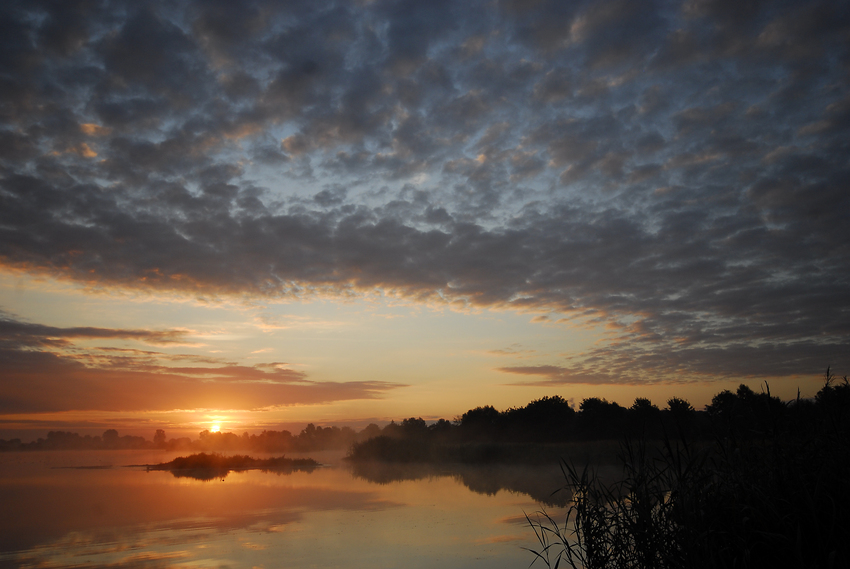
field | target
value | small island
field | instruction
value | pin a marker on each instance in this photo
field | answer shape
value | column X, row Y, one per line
column 203, row 466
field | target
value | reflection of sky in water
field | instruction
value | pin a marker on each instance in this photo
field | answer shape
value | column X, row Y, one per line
column 327, row 518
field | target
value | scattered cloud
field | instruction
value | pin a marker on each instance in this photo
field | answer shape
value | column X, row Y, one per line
column 45, row 372
column 679, row 168
column 514, row 350
column 17, row 334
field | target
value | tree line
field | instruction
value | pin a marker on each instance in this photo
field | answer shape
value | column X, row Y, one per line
column 552, row 419
column 311, row 438
column 741, row 415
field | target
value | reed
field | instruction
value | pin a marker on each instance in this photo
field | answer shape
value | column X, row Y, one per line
column 634, row 522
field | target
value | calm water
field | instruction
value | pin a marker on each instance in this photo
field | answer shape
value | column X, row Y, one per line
column 335, row 516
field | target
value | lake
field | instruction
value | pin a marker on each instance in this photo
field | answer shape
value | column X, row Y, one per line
column 87, row 509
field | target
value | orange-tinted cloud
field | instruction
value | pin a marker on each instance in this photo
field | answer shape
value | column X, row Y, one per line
column 94, row 129
column 15, row 333
column 43, row 371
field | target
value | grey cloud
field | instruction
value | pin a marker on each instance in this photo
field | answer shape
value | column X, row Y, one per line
column 543, row 25
column 525, row 165
column 557, row 375
column 693, row 119
column 222, row 27
column 330, row 196
column 14, row 333
column 555, row 86
column 806, row 30
column 617, row 31
column 681, row 166
column 413, row 26
column 152, row 54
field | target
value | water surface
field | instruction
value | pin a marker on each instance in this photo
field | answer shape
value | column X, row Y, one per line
column 60, row 511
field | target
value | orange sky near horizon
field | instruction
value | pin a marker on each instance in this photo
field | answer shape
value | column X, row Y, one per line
column 247, row 365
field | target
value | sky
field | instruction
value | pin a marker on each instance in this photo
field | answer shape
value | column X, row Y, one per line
column 257, row 214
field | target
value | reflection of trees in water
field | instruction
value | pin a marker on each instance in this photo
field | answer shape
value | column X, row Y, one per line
column 207, row 474
column 543, row 484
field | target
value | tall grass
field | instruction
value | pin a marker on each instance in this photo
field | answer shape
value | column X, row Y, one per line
column 634, row 522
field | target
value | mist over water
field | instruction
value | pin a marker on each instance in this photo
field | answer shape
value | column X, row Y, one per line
column 68, row 509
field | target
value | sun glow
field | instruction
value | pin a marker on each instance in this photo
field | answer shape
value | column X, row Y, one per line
column 215, row 428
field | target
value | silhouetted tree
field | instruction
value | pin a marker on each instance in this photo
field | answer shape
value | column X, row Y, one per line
column 414, row 427
column 110, row 438
column 745, row 413
column 644, row 418
column 679, row 407
column 679, row 417
column 547, row 419
column 393, row 430
column 371, row 431
column 442, row 430
column 600, row 419
column 480, row 423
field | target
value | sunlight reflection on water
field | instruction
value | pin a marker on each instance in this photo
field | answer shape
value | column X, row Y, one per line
column 69, row 517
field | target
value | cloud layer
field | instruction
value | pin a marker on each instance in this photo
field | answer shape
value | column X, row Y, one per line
column 44, row 370
column 677, row 171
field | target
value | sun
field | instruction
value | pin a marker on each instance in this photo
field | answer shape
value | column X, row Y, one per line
column 215, row 428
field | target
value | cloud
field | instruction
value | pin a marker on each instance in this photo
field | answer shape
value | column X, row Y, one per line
column 514, row 350
column 15, row 334
column 607, row 158
column 45, row 371
column 557, row 375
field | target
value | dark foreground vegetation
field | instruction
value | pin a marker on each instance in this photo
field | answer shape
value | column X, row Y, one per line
column 204, row 466
column 769, row 490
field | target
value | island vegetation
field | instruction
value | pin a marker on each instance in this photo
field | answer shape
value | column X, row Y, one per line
column 205, row 466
